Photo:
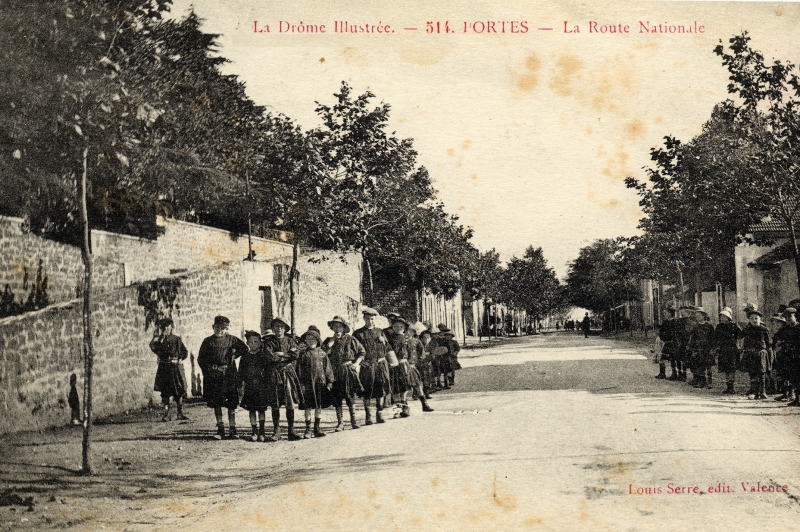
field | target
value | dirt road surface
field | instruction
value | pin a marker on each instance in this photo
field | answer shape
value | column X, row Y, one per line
column 554, row 432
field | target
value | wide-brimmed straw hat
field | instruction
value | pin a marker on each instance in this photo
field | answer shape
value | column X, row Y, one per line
column 727, row 312
column 367, row 311
column 280, row 320
column 418, row 328
column 339, row 319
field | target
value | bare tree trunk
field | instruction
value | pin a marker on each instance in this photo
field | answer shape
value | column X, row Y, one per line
column 370, row 299
column 88, row 351
column 680, row 285
column 292, row 280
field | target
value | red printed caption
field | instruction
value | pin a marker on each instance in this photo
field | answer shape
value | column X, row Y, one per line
column 478, row 27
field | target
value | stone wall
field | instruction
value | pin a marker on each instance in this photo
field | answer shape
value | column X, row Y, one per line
column 188, row 246
column 36, row 268
column 330, row 268
column 401, row 300
column 41, row 349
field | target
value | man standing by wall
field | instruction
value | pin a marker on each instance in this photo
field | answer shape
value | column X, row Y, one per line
column 216, row 359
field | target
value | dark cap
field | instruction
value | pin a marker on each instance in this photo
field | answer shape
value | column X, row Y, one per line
column 164, row 323
column 222, row 320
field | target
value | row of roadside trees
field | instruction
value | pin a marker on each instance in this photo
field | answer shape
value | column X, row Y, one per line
column 701, row 196
column 115, row 112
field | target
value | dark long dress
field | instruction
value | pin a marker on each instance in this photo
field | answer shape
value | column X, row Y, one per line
column 253, row 372
column 448, row 360
column 725, row 336
column 216, row 360
column 425, row 365
column 315, row 374
column 342, row 352
column 700, row 344
column 790, row 352
column 667, row 335
column 399, row 374
column 283, row 384
column 683, row 331
column 171, row 354
column 414, row 353
column 755, row 349
column 374, row 373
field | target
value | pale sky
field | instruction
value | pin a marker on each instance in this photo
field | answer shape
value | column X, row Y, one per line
column 527, row 136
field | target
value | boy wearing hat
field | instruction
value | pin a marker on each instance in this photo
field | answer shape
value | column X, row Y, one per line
column 684, row 326
column 448, row 361
column 388, row 331
column 169, row 378
column 253, row 371
column 668, row 350
column 374, row 370
column 755, row 352
column 700, row 343
column 415, row 353
column 284, row 386
column 216, row 359
column 725, row 342
column 399, row 374
column 316, row 379
column 345, row 354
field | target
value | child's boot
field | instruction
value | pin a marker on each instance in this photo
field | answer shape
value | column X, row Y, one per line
column 254, row 435
column 181, row 415
column 261, row 435
column 276, row 426
column 368, row 414
column 165, row 417
column 379, row 416
column 317, row 431
column 762, row 387
column 291, row 435
column 220, row 431
column 405, row 411
column 425, row 407
column 232, row 422
column 353, row 423
column 307, row 433
column 338, row 419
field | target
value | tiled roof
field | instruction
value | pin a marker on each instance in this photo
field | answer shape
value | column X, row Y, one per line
column 769, row 224
column 774, row 224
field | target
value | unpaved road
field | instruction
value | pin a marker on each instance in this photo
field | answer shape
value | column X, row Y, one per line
column 540, row 433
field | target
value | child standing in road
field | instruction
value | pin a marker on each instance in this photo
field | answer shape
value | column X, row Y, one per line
column 755, row 353
column 253, row 372
column 725, row 336
column 316, row 379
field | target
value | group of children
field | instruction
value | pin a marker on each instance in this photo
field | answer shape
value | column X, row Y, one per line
column 278, row 369
column 690, row 343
